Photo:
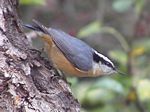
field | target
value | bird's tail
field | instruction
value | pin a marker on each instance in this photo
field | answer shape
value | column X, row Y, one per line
column 37, row 26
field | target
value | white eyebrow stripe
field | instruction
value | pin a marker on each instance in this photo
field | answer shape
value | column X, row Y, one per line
column 104, row 57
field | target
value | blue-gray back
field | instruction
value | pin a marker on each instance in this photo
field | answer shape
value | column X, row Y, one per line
column 75, row 50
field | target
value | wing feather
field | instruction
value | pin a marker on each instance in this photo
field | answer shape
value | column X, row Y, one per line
column 75, row 50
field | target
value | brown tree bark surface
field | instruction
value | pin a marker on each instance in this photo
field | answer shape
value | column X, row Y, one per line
column 28, row 83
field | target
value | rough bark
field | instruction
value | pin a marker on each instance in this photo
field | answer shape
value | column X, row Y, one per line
column 28, row 83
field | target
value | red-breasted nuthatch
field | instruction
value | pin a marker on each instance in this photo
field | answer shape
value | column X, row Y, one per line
column 72, row 55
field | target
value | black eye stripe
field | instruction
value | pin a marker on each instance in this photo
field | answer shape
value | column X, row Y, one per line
column 108, row 64
column 98, row 59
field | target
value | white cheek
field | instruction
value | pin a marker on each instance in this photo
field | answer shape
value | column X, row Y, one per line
column 105, row 69
column 95, row 67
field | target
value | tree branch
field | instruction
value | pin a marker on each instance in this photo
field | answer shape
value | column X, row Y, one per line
column 28, row 83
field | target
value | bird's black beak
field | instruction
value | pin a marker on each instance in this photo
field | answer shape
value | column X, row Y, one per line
column 121, row 73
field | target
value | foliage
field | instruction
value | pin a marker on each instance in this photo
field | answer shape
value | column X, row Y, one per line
column 93, row 27
column 122, row 5
column 116, row 93
column 96, row 96
column 32, row 2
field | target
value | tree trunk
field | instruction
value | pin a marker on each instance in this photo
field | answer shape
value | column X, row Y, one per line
column 28, row 83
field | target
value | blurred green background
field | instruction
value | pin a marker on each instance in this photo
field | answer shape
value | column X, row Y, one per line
column 119, row 29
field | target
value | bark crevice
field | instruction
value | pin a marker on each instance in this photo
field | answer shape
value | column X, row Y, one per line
column 28, row 83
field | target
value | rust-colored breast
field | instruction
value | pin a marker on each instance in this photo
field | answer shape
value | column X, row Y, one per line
column 60, row 61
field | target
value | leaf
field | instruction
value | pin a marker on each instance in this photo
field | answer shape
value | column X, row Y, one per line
column 139, row 5
column 103, row 90
column 144, row 43
column 138, row 51
column 32, row 2
column 98, row 96
column 72, row 80
column 143, row 89
column 109, row 84
column 107, row 108
column 90, row 29
column 120, row 56
column 122, row 5
column 81, row 90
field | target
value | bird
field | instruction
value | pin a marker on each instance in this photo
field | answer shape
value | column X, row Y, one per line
column 72, row 55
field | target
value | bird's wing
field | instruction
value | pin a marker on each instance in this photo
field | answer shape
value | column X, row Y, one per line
column 75, row 50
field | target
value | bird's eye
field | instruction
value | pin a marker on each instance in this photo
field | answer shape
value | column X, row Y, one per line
column 109, row 64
